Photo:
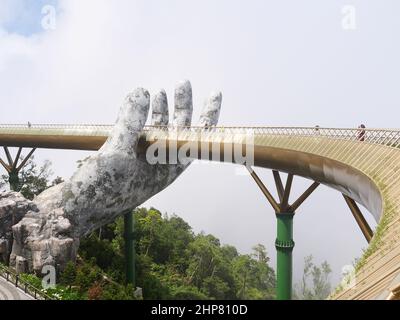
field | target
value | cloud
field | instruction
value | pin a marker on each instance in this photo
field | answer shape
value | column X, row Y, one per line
column 98, row 53
column 9, row 10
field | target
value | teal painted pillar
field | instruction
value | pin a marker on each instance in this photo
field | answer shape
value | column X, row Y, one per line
column 13, row 179
column 130, row 253
column 284, row 246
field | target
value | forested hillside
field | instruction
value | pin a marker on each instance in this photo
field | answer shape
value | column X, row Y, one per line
column 175, row 263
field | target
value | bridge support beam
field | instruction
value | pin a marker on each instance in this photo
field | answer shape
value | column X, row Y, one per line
column 358, row 216
column 284, row 243
column 13, row 168
column 130, row 252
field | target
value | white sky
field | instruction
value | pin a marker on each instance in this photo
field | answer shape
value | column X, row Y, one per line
column 277, row 63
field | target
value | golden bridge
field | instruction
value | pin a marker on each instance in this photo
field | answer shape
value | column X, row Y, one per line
column 362, row 164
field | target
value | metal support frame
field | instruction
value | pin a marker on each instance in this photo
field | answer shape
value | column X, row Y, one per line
column 358, row 216
column 13, row 168
column 130, row 252
column 284, row 243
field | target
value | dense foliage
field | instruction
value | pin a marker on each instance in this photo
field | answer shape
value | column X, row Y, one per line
column 175, row 263
column 83, row 281
column 33, row 179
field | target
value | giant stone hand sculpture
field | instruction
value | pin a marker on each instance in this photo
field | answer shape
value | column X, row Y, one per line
column 115, row 179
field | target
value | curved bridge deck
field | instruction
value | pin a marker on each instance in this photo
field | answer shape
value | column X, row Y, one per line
column 367, row 170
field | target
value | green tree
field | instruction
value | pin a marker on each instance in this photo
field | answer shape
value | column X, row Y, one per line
column 87, row 275
column 151, row 226
column 254, row 277
column 260, row 253
column 68, row 276
column 241, row 267
column 315, row 283
column 188, row 293
column 33, row 179
column 263, row 275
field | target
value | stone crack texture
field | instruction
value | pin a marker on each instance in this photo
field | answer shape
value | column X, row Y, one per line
column 117, row 178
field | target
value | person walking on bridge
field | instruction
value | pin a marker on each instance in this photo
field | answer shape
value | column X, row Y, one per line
column 361, row 132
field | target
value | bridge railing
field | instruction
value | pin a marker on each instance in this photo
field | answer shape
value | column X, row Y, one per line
column 55, row 126
column 20, row 283
column 388, row 137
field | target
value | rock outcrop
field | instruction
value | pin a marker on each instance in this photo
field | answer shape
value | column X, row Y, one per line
column 13, row 207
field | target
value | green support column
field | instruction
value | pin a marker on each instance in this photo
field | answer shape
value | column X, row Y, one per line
column 13, row 179
column 284, row 216
column 284, row 245
column 130, row 253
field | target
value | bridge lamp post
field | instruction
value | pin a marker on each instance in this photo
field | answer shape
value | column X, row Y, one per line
column 284, row 243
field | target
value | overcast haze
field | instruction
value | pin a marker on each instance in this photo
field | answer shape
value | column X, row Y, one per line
column 288, row 63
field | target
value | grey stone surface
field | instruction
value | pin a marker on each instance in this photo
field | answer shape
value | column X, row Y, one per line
column 115, row 179
column 183, row 104
column 212, row 108
column 13, row 207
column 159, row 107
column 20, row 264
